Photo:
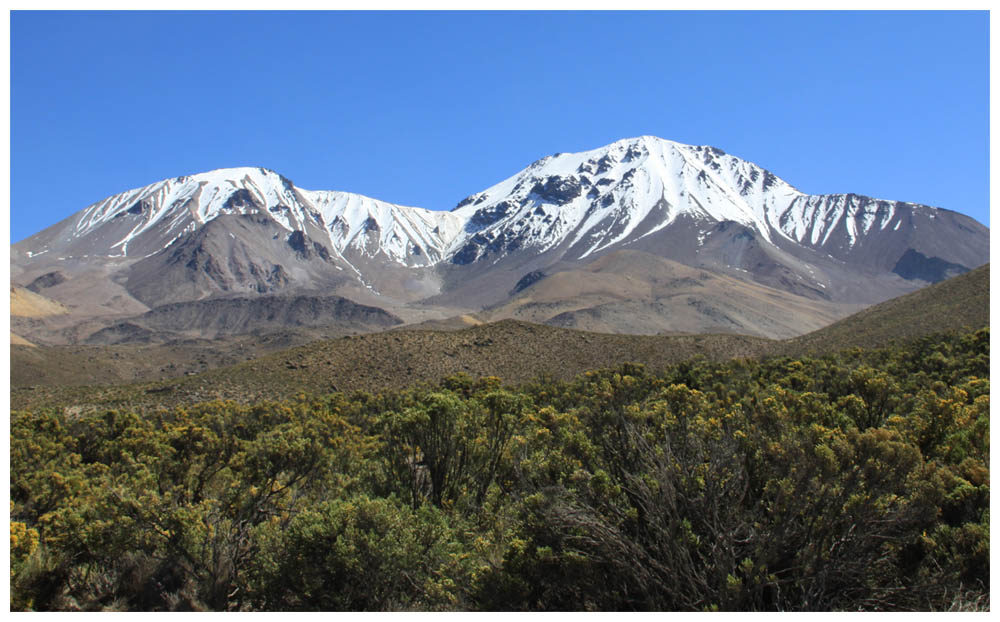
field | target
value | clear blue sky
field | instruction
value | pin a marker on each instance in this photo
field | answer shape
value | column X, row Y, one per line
column 425, row 108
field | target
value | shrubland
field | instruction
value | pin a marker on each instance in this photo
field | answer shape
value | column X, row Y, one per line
column 857, row 480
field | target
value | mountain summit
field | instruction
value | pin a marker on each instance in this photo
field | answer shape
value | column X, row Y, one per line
column 251, row 231
column 148, row 219
column 631, row 189
column 625, row 191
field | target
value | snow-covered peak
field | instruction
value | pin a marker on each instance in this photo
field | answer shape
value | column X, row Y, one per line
column 583, row 203
column 169, row 208
column 595, row 199
column 202, row 196
column 591, row 201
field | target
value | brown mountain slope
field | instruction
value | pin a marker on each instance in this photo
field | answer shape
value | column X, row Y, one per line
column 17, row 340
column 962, row 302
column 26, row 303
column 513, row 350
column 27, row 309
column 637, row 292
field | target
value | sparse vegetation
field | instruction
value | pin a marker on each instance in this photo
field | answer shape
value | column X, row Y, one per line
column 90, row 377
column 857, row 480
column 959, row 303
column 515, row 351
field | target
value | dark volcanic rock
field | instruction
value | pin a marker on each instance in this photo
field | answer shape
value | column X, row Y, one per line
column 915, row 265
column 483, row 245
column 466, row 255
column 242, row 315
column 137, row 209
column 469, row 200
column 264, row 278
column 633, row 153
column 558, row 190
column 527, row 281
column 50, row 279
column 325, row 254
column 123, row 332
column 463, row 203
column 297, row 240
column 486, row 217
column 240, row 200
column 605, row 163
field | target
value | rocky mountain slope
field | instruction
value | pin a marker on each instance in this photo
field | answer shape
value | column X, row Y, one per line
column 216, row 317
column 629, row 291
column 513, row 350
column 702, row 207
column 251, row 232
column 634, row 188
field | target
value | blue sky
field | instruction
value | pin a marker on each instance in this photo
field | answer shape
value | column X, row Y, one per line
column 425, row 108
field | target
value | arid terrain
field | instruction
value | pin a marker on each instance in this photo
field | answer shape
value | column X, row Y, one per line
column 274, row 366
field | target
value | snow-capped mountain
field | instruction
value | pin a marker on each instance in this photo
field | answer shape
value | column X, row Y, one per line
column 251, row 231
column 595, row 200
column 627, row 190
column 139, row 222
column 585, row 202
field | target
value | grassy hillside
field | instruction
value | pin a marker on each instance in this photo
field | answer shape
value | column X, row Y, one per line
column 959, row 303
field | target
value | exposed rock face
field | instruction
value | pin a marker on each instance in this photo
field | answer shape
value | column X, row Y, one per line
column 49, row 279
column 123, row 332
column 527, row 281
column 231, row 254
column 476, row 247
column 558, row 189
column 225, row 316
column 487, row 217
column 242, row 200
column 305, row 248
column 915, row 265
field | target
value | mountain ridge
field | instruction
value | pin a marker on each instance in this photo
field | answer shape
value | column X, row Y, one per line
column 555, row 181
column 251, row 231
